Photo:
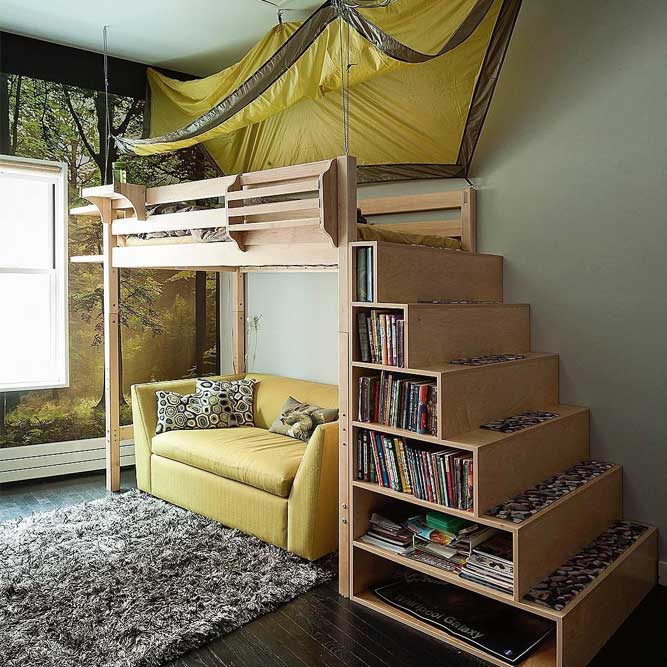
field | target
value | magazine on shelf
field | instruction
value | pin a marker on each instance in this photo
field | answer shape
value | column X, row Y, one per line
column 503, row 632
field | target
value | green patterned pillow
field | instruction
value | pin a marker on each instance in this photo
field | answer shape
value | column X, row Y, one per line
column 178, row 412
column 239, row 393
column 299, row 420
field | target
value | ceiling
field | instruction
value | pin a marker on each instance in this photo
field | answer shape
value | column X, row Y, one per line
column 198, row 36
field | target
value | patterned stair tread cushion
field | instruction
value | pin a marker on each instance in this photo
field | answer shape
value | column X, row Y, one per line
column 240, row 394
column 299, row 420
column 182, row 412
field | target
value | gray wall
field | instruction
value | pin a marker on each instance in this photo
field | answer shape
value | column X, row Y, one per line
column 572, row 166
column 572, row 171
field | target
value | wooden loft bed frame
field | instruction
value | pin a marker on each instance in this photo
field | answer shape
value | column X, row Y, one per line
column 310, row 224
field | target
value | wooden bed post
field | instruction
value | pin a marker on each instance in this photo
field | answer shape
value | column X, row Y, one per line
column 469, row 220
column 111, row 345
column 238, row 320
column 347, row 229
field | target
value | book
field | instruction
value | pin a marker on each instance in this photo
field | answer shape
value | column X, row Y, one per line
column 504, row 632
column 362, row 276
column 380, row 335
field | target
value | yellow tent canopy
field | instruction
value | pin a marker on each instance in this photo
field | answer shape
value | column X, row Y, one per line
column 418, row 76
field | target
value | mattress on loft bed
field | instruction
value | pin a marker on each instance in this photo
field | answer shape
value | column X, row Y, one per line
column 365, row 232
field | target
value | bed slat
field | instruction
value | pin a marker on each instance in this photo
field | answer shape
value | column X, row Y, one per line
column 274, row 190
column 276, row 207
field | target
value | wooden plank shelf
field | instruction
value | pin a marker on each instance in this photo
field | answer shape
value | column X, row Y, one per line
column 413, row 500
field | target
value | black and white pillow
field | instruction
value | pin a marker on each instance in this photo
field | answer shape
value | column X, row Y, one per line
column 239, row 393
column 178, row 412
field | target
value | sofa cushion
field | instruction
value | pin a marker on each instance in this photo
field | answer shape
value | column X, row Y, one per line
column 299, row 420
column 272, row 391
column 253, row 456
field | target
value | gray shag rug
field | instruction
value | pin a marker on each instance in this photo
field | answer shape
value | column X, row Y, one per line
column 131, row 581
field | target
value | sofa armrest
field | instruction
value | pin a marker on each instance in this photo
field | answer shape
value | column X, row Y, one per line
column 144, row 420
column 312, row 515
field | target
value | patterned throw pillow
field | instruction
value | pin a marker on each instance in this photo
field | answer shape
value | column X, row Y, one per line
column 240, row 393
column 178, row 412
column 299, row 420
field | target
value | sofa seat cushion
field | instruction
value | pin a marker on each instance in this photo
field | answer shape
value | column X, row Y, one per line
column 250, row 455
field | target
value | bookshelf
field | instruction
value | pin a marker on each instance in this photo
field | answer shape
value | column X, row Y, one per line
column 504, row 464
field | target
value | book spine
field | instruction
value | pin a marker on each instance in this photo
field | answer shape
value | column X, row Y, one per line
column 369, row 273
column 422, row 410
column 381, row 459
column 360, row 456
column 405, row 471
column 362, row 278
column 363, row 337
column 400, row 346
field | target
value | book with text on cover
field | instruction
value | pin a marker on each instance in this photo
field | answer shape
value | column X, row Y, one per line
column 497, row 629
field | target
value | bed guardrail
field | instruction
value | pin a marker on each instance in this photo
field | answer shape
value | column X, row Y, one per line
column 282, row 205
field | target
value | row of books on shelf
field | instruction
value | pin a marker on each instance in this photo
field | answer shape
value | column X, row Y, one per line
column 381, row 337
column 364, row 274
column 474, row 552
column 438, row 474
column 407, row 403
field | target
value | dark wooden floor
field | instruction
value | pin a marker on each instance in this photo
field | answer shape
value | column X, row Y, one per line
column 321, row 628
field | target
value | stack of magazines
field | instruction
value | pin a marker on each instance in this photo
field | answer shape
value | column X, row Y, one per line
column 491, row 563
column 387, row 534
column 444, row 541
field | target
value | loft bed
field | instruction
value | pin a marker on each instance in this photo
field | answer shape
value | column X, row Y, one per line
column 298, row 218
column 283, row 218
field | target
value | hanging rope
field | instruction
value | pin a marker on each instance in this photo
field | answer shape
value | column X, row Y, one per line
column 107, row 112
column 345, row 67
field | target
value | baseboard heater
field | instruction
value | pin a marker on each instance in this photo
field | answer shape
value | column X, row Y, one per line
column 58, row 458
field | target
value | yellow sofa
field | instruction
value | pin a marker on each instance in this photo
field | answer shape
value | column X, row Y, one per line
column 282, row 490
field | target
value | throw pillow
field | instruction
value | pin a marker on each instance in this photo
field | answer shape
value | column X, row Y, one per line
column 239, row 393
column 299, row 420
column 178, row 412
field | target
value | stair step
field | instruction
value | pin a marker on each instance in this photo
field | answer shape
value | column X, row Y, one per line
column 469, row 396
column 442, row 274
column 552, row 536
column 510, row 463
column 438, row 333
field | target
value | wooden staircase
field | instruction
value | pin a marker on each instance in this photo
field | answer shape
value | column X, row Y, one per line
column 504, row 464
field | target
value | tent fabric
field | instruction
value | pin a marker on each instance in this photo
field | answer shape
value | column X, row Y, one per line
column 419, row 86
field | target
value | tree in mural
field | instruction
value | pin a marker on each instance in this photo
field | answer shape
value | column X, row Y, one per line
column 65, row 123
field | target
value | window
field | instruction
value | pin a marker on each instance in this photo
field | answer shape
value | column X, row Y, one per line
column 33, row 274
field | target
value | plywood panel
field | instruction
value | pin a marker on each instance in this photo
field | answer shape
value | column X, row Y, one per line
column 440, row 333
column 513, row 462
column 408, row 274
column 551, row 537
column 602, row 609
column 472, row 396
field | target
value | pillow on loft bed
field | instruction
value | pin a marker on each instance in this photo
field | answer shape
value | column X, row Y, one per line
column 202, row 235
column 367, row 232
column 299, row 420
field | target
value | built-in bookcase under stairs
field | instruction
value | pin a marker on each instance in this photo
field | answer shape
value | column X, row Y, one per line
column 469, row 320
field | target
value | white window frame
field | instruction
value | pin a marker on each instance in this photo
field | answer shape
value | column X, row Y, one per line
column 55, row 172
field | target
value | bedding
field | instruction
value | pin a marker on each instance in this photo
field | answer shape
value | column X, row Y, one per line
column 365, row 232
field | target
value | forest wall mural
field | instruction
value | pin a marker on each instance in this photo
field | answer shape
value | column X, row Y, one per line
column 169, row 319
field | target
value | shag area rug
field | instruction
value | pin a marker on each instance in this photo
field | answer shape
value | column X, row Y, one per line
column 132, row 581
